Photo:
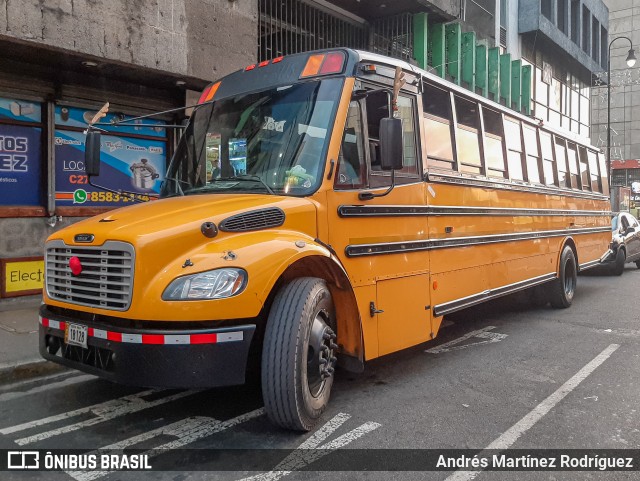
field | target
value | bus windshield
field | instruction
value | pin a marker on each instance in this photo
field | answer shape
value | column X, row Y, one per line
column 272, row 141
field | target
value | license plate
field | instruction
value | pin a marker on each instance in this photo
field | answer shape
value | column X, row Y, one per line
column 76, row 335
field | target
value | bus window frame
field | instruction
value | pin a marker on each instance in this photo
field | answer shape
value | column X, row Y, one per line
column 383, row 176
column 473, row 130
column 450, row 123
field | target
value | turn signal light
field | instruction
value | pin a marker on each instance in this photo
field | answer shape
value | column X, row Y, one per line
column 323, row 64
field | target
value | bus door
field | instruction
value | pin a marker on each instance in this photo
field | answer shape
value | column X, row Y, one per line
column 390, row 280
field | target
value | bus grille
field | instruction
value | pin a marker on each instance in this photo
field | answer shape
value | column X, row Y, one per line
column 253, row 220
column 106, row 280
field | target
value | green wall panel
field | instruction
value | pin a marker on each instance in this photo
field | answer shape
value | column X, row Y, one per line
column 453, row 34
column 505, row 77
column 420, row 39
column 469, row 60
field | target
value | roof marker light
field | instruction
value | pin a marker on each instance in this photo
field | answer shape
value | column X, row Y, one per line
column 277, row 60
column 208, row 93
column 324, row 64
column 263, row 64
column 250, row 67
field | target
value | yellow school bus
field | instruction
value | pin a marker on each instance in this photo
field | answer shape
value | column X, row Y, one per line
column 321, row 209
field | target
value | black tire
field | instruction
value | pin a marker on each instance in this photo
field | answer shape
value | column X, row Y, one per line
column 299, row 354
column 621, row 258
column 561, row 290
column 638, row 264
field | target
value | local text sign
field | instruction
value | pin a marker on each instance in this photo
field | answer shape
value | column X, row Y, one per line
column 22, row 276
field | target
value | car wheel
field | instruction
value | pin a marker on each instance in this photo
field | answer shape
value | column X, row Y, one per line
column 618, row 267
column 562, row 289
column 299, row 354
column 638, row 264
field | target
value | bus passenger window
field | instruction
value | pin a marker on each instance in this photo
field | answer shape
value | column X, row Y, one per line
column 561, row 161
column 533, row 156
column 593, row 171
column 548, row 168
column 467, row 128
column 604, row 175
column 584, row 169
column 514, row 148
column 572, row 156
column 493, row 143
column 351, row 161
column 437, row 120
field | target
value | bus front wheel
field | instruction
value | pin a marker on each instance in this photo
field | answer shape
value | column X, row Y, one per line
column 564, row 287
column 299, row 354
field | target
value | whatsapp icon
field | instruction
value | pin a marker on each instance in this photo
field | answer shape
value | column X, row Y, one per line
column 79, row 196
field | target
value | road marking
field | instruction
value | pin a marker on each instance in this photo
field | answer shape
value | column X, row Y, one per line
column 8, row 396
column 511, row 435
column 14, row 364
column 186, row 431
column 33, row 380
column 103, row 412
column 490, row 337
column 311, row 450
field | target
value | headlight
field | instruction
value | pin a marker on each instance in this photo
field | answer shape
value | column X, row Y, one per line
column 216, row 284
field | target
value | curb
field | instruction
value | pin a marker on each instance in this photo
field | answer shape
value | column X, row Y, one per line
column 27, row 369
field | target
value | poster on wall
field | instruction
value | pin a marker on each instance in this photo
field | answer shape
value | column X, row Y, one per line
column 20, row 165
column 20, row 110
column 128, row 164
column 75, row 117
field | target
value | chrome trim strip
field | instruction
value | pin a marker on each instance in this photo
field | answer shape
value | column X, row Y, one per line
column 359, row 250
column 438, row 177
column 464, row 302
column 589, row 265
column 443, row 210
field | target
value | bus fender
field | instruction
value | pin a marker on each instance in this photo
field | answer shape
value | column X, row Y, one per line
column 316, row 260
column 567, row 241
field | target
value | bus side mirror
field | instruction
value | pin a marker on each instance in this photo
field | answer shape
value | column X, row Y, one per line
column 391, row 144
column 92, row 153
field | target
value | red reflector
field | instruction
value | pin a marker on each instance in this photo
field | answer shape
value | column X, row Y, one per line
column 152, row 339
column 263, row 64
column 114, row 336
column 203, row 338
column 250, row 67
column 333, row 63
column 45, row 322
column 277, row 60
column 205, row 92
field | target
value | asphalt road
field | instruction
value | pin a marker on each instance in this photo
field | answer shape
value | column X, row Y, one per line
column 505, row 374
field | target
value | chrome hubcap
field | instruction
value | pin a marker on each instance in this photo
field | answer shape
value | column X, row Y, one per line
column 321, row 356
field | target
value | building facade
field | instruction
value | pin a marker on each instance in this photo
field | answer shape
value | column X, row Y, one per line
column 625, row 99
column 62, row 60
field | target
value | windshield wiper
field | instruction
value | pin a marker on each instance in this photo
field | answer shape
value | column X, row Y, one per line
column 254, row 178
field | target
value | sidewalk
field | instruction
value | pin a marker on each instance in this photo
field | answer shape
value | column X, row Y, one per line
column 19, row 356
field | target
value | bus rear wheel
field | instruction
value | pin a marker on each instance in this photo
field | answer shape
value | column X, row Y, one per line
column 299, row 354
column 563, row 288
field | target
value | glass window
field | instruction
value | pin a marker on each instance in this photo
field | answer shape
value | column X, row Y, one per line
column 604, row 177
column 493, row 143
column 561, row 162
column 514, row 148
column 467, row 143
column 593, row 171
column 584, row 169
column 533, row 156
column 572, row 157
column 351, row 162
column 547, row 158
column 437, row 119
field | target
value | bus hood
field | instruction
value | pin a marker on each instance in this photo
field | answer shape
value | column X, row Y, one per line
column 165, row 229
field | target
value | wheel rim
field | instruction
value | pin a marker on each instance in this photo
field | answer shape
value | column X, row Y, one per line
column 569, row 279
column 321, row 352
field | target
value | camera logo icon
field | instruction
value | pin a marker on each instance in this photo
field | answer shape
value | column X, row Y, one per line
column 23, row 460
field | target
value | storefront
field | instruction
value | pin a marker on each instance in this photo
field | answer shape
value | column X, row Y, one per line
column 43, row 186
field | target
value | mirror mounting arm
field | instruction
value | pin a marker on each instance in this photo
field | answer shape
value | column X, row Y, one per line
column 371, row 195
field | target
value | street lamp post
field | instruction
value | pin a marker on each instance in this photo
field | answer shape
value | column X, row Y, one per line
column 631, row 61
